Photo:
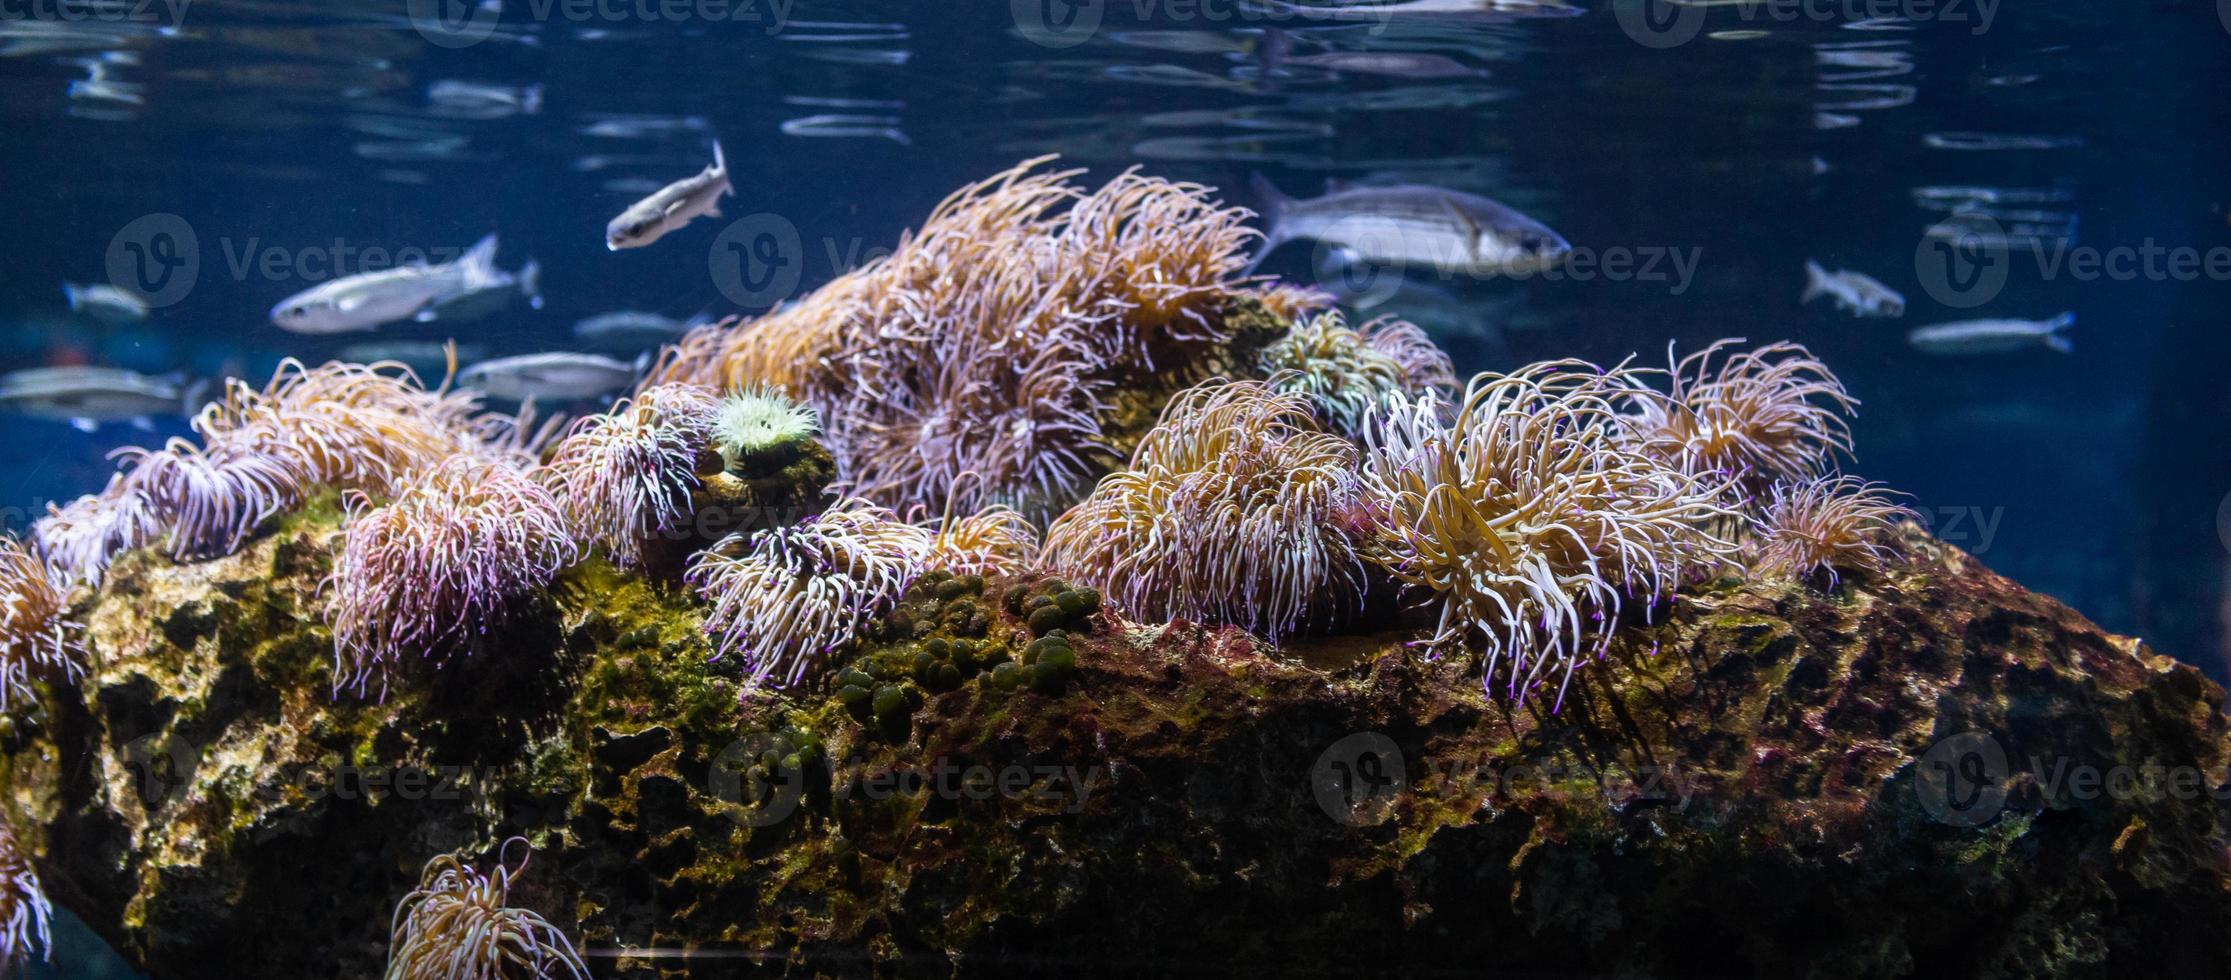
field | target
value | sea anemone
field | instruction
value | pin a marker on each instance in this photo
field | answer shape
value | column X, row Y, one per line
column 1235, row 509
column 1758, row 416
column 457, row 927
column 1348, row 373
column 993, row 541
column 24, row 911
column 34, row 638
column 1528, row 520
column 78, row 541
column 752, row 421
column 787, row 596
column 629, row 472
column 439, row 566
column 1826, row 524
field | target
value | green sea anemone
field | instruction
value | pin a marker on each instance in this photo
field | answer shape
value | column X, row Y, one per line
column 757, row 419
column 1826, row 524
column 1235, row 509
column 34, row 638
column 1348, row 373
column 456, row 926
column 1528, row 519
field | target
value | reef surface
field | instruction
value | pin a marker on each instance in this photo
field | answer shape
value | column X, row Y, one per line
column 1763, row 778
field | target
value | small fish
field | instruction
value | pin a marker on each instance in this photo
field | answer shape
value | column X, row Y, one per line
column 368, row 299
column 1386, row 10
column 108, row 304
column 460, row 99
column 627, row 331
column 556, row 376
column 671, row 207
column 1409, row 224
column 1993, row 336
column 88, row 397
column 1862, row 294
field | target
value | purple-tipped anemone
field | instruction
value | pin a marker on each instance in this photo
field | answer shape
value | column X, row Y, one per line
column 24, row 910
column 1827, row 524
column 34, row 638
column 77, row 542
column 435, row 569
column 1235, row 509
column 1753, row 416
column 785, row 598
column 628, row 473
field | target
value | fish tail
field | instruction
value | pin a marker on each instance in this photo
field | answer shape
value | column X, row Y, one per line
column 530, row 283
column 2054, row 338
column 1271, row 204
column 1816, row 282
column 70, row 293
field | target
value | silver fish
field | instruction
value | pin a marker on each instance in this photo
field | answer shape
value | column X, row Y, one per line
column 555, row 376
column 1413, row 224
column 627, row 331
column 1389, row 10
column 368, row 299
column 87, row 397
column 671, row 207
column 1994, row 336
column 112, row 305
column 1862, row 294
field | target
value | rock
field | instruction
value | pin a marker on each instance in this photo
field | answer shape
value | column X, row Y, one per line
column 1891, row 779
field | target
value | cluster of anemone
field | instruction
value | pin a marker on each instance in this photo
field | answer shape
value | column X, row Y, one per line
column 1235, row 509
column 1529, row 519
column 34, row 638
column 440, row 564
column 628, row 473
column 24, row 910
column 1772, row 422
column 263, row 451
column 458, row 926
column 1348, row 373
column 997, row 338
column 1752, row 416
column 1826, row 524
column 997, row 540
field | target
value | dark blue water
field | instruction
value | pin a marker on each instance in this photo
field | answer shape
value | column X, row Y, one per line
column 286, row 136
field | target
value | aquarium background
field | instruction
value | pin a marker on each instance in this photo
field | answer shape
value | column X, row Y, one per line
column 1747, row 137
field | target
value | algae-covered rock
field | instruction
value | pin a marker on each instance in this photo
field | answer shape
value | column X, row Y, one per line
column 1929, row 773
